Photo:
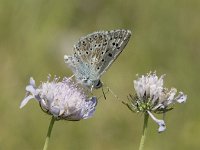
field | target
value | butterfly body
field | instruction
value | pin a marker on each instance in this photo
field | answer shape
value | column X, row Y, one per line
column 94, row 54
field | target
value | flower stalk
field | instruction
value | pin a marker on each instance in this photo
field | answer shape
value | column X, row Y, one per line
column 146, row 117
column 49, row 133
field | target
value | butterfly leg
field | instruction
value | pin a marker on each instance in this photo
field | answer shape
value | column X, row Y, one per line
column 71, row 76
column 91, row 88
column 104, row 94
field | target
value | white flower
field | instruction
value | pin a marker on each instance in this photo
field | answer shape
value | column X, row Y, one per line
column 151, row 96
column 63, row 100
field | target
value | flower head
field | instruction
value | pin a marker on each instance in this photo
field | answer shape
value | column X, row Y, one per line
column 151, row 96
column 63, row 100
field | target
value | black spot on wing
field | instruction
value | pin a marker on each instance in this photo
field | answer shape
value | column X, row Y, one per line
column 110, row 54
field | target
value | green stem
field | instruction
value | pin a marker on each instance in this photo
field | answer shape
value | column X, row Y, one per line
column 146, row 117
column 49, row 133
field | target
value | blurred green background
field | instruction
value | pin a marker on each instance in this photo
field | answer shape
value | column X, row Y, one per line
column 34, row 36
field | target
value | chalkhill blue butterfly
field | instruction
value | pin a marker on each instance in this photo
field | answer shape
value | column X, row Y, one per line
column 94, row 54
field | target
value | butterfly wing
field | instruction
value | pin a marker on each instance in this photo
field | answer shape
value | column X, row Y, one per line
column 86, row 51
column 116, row 42
column 94, row 53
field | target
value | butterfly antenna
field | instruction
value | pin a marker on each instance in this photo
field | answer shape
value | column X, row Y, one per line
column 111, row 92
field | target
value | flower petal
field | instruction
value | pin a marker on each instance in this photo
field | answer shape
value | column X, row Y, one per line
column 32, row 82
column 91, row 104
column 171, row 95
column 31, row 89
column 160, row 123
column 25, row 101
column 181, row 98
column 162, row 126
column 55, row 111
column 139, row 88
column 75, row 116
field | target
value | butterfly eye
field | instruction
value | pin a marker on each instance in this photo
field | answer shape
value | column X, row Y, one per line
column 98, row 84
column 102, row 60
column 86, row 52
column 113, row 43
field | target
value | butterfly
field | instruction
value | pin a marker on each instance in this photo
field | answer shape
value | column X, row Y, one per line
column 94, row 54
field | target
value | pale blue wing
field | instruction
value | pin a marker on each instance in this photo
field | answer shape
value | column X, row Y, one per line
column 94, row 53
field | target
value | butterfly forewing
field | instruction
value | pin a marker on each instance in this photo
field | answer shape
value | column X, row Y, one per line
column 117, row 40
column 88, row 48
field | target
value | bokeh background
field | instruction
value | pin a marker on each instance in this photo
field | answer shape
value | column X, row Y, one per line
column 34, row 36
